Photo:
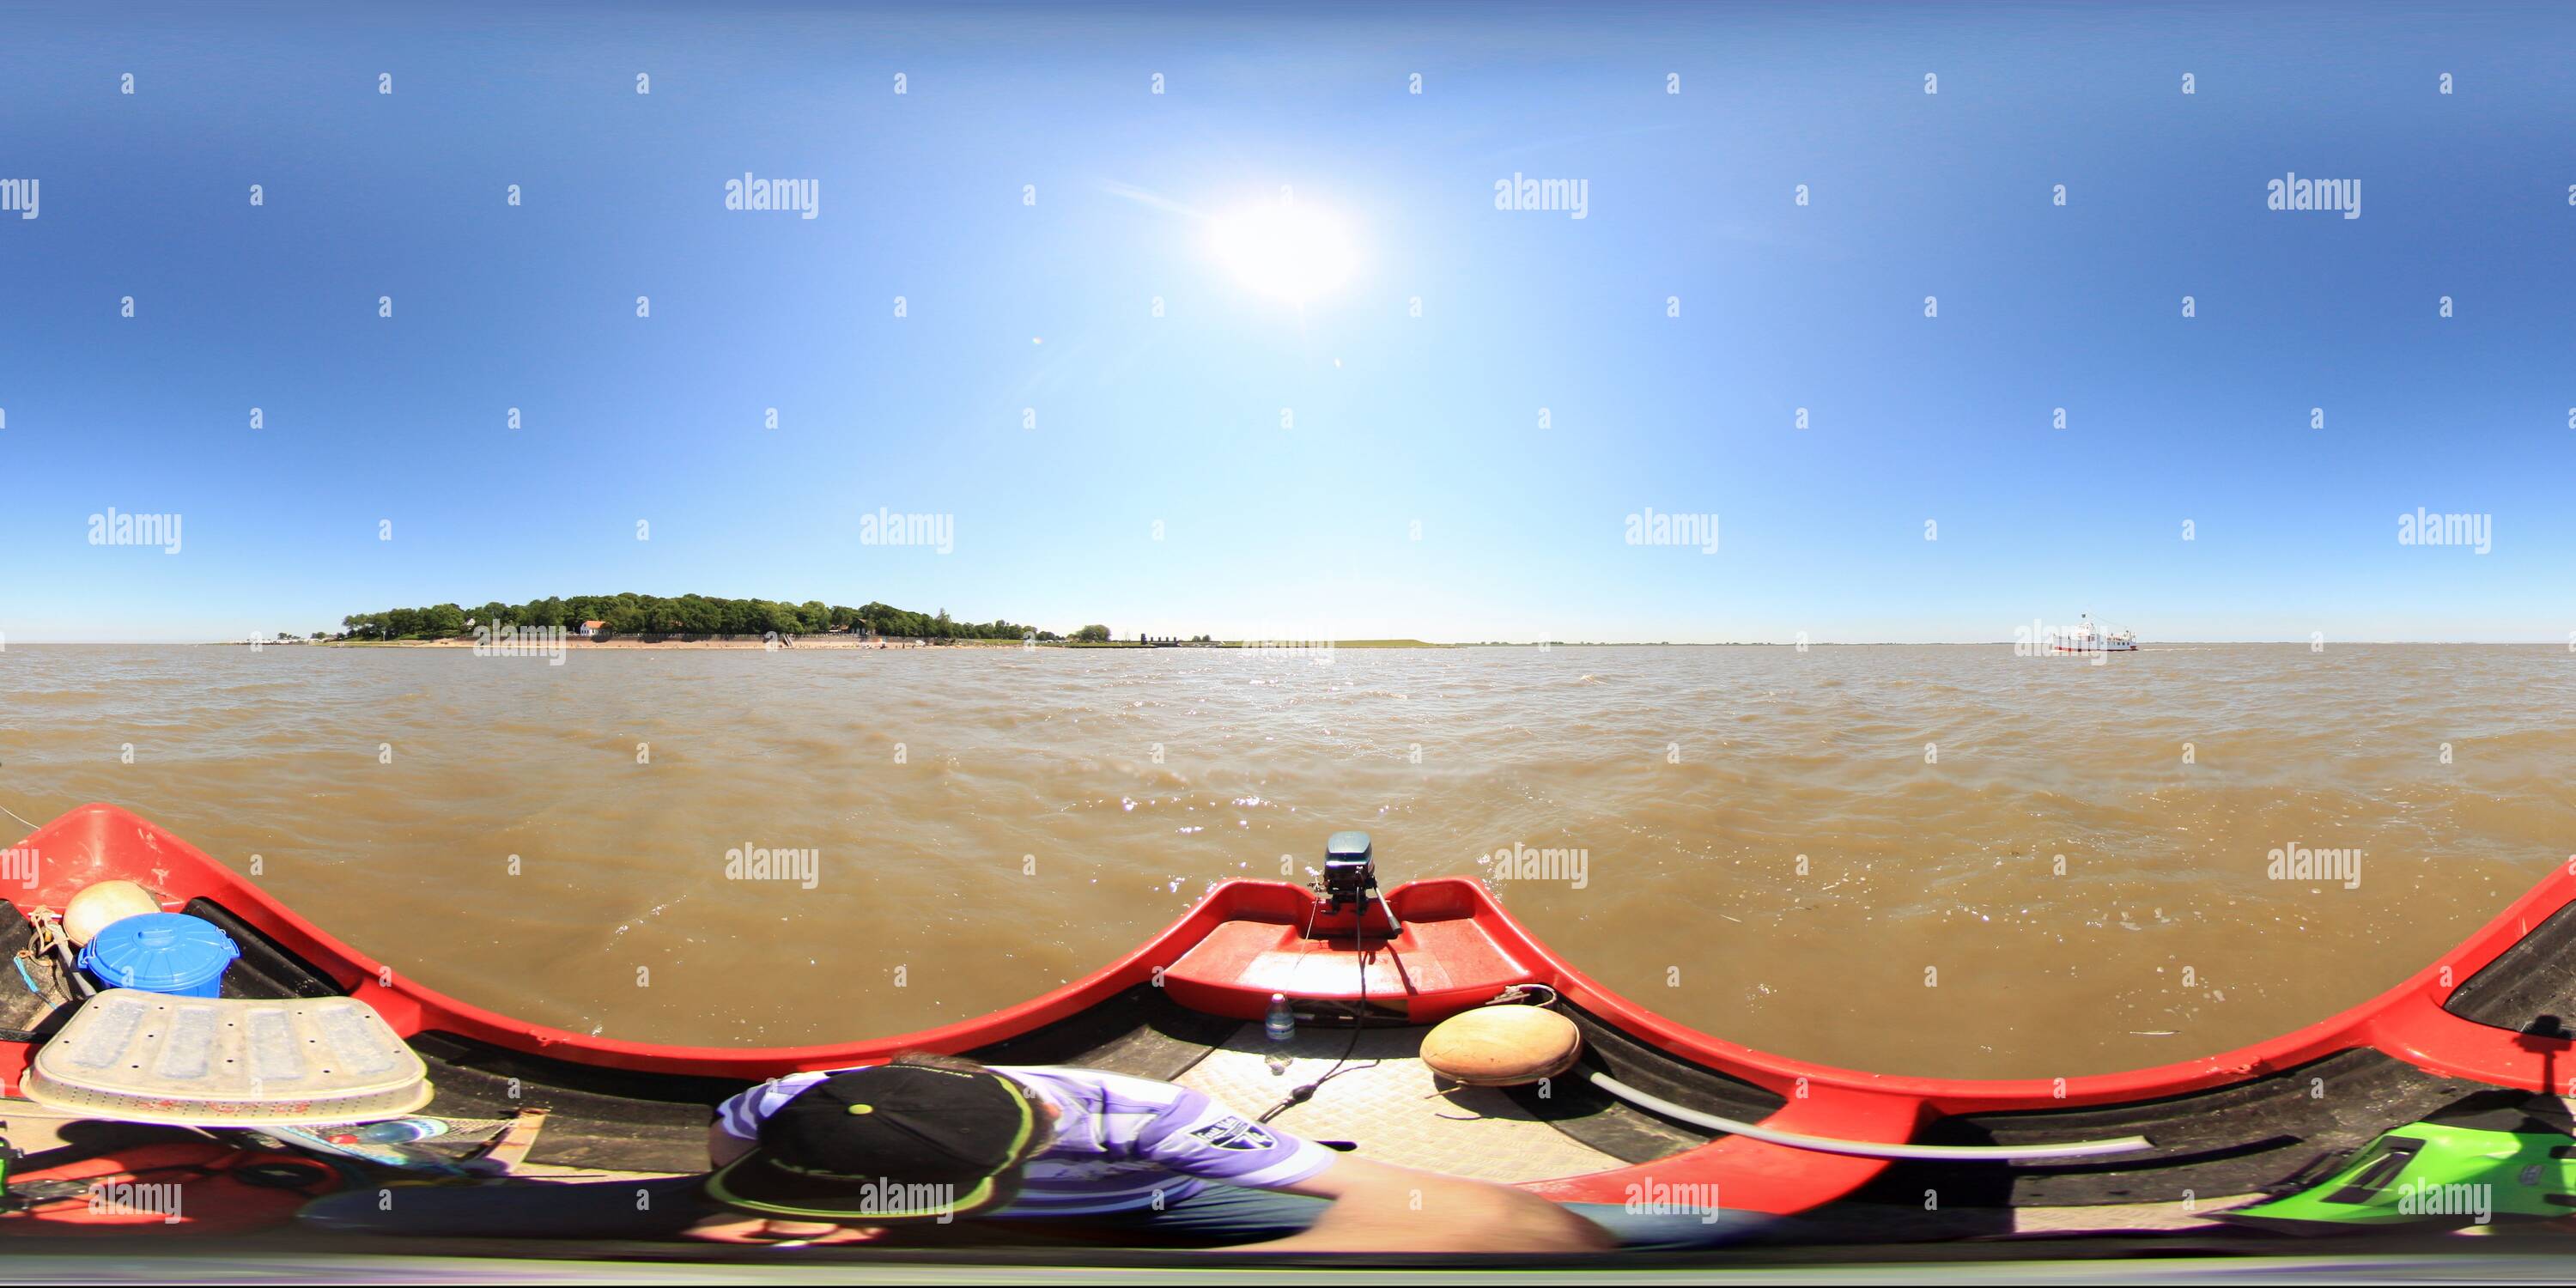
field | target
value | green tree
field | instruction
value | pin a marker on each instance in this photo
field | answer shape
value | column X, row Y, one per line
column 700, row 615
column 628, row 613
column 442, row 621
column 1092, row 635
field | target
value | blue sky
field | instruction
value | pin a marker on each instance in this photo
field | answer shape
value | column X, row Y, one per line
column 1305, row 531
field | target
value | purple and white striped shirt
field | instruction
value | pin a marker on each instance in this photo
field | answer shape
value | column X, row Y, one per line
column 1120, row 1141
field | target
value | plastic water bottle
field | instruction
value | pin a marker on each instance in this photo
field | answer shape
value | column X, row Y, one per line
column 1281, row 1022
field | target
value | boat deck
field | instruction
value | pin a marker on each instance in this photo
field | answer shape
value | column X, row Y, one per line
column 1392, row 1103
column 2483, row 1032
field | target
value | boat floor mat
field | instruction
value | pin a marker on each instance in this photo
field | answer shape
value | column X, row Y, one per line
column 2529, row 988
column 622, row 1120
column 2242, row 1138
column 22, row 1010
column 1391, row 1104
column 614, row 1120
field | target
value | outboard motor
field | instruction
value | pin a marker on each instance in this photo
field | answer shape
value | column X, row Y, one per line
column 1350, row 881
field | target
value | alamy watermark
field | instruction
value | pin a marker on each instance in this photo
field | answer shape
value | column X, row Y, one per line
column 2476, row 531
column 2037, row 638
column 1520, row 192
column 117, row 529
column 930, row 531
column 1319, row 652
column 1649, row 528
column 2296, row 862
column 2472, row 1199
column 521, row 641
column 1522, row 863
column 20, row 196
column 749, row 863
column 136, row 1198
column 19, row 864
column 913, row 1199
column 1673, row 1198
column 2294, row 193
column 803, row 197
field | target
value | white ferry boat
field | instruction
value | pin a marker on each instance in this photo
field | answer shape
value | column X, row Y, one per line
column 2085, row 637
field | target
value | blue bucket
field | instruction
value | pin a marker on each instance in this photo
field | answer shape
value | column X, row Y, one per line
column 162, row 952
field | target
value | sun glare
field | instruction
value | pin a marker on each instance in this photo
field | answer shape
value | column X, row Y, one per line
column 1292, row 252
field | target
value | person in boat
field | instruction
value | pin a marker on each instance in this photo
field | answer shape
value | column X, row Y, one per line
column 937, row 1149
column 841, row 1157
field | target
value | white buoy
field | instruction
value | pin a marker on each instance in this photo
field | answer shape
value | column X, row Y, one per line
column 103, row 904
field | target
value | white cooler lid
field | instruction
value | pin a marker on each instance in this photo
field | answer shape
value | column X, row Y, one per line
column 137, row 1056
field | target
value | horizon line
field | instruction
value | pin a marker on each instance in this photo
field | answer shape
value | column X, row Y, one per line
column 1552, row 643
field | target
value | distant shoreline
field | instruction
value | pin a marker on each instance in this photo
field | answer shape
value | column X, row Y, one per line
column 846, row 643
column 843, row 642
column 572, row 643
column 576, row 644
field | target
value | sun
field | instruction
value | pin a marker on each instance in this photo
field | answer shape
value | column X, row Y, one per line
column 1284, row 250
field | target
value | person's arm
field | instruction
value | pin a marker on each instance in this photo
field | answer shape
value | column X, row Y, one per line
column 740, row 1227
column 737, row 1122
column 1378, row 1207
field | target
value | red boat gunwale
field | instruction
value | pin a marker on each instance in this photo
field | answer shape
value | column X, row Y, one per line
column 1459, row 948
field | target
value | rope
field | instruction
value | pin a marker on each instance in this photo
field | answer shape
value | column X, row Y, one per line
column 22, row 822
column 51, row 938
column 48, row 931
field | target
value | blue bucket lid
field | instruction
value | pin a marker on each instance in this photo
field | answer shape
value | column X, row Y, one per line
column 160, row 951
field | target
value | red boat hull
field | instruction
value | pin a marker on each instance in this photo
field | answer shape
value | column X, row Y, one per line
column 1249, row 939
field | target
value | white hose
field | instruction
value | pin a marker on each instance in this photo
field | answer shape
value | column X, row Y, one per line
column 1863, row 1148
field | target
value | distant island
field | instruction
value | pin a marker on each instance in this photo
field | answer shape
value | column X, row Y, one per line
column 632, row 615
column 707, row 621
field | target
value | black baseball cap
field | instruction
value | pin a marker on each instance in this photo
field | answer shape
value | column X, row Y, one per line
column 885, row 1145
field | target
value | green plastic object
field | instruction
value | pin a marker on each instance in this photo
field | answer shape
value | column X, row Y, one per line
column 2432, row 1174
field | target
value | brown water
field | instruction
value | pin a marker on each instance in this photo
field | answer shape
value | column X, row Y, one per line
column 1130, row 781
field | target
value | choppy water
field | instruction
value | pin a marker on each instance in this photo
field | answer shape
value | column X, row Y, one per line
column 994, row 823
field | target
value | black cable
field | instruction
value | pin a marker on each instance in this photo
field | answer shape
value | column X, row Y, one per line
column 1359, row 1020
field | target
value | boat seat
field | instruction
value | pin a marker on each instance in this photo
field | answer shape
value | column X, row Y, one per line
column 136, row 1056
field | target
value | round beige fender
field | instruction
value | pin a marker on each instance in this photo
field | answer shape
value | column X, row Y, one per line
column 1502, row 1046
column 102, row 904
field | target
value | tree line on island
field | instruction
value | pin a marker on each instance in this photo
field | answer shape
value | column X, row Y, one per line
column 631, row 614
